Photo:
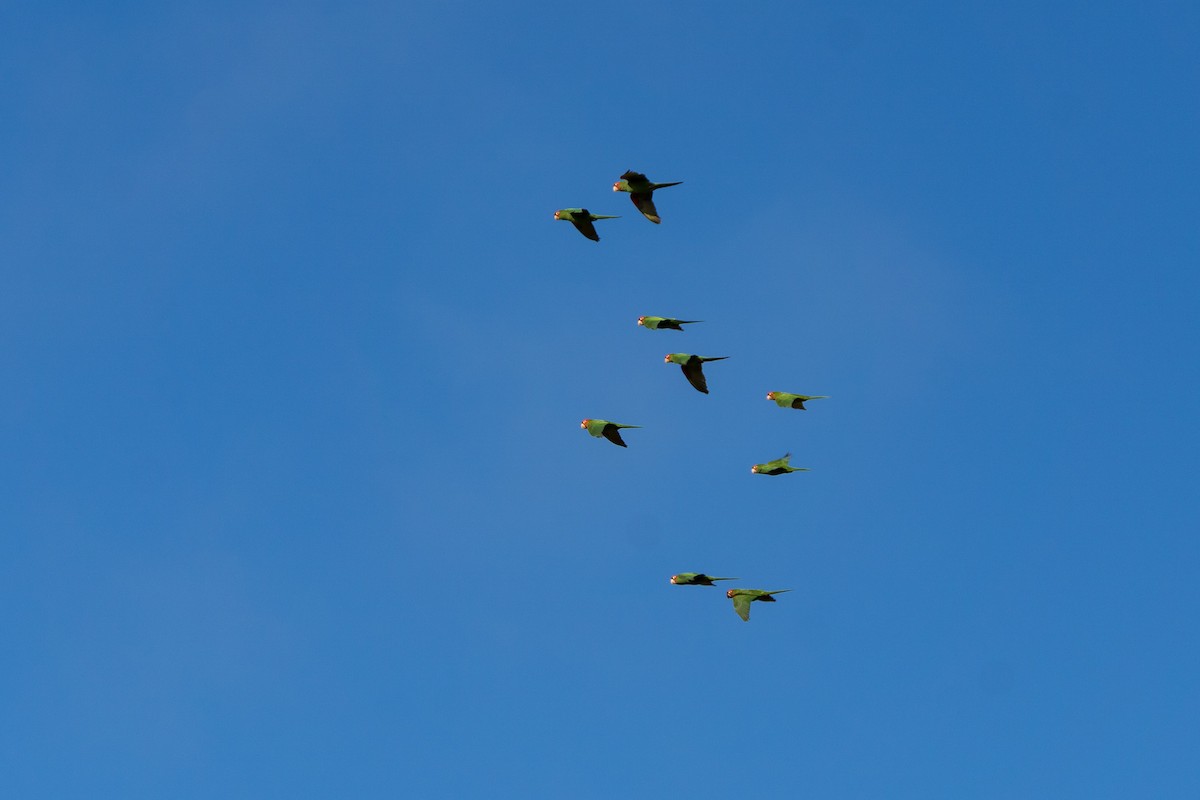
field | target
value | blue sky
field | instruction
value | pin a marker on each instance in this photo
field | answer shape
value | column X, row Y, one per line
column 296, row 502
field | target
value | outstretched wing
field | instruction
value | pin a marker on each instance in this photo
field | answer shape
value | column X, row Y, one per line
column 636, row 177
column 585, row 226
column 691, row 370
column 613, row 434
column 645, row 204
column 741, row 604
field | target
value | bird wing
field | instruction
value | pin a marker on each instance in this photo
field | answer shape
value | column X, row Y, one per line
column 644, row 201
column 585, row 226
column 741, row 604
column 691, row 371
column 613, row 434
column 630, row 175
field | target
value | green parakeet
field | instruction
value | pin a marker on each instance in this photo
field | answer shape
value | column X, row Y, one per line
column 690, row 365
column 777, row 467
column 581, row 218
column 609, row 430
column 742, row 598
column 661, row 323
column 641, row 192
column 789, row 400
column 696, row 579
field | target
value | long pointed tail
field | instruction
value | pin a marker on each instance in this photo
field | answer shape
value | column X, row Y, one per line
column 665, row 185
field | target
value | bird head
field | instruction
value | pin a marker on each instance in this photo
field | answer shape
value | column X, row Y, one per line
column 673, row 579
column 770, row 395
column 558, row 214
column 754, row 469
column 729, row 593
column 641, row 320
column 621, row 186
column 584, row 424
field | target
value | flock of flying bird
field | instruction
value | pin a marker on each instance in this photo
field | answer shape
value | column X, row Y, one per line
column 641, row 192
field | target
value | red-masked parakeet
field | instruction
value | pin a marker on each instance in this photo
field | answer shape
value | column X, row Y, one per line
column 696, row 579
column 581, row 218
column 777, row 467
column 742, row 598
column 690, row 365
column 665, row 323
column 609, row 430
column 641, row 192
column 789, row 400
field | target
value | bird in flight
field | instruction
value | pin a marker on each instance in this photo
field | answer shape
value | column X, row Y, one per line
column 691, row 366
column 582, row 219
column 609, row 430
column 641, row 192
column 789, row 400
column 777, row 467
column 742, row 598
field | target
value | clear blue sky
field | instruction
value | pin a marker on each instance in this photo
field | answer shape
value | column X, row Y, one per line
column 295, row 499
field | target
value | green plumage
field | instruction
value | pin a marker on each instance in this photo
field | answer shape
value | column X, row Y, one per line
column 789, row 400
column 691, row 366
column 742, row 598
column 582, row 219
column 641, row 192
column 668, row 323
column 609, row 430
column 696, row 579
column 777, row 467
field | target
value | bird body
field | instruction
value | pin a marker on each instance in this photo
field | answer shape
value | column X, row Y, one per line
column 777, row 467
column 609, row 430
column 641, row 192
column 742, row 598
column 582, row 219
column 668, row 323
column 696, row 579
column 691, row 366
column 789, row 400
